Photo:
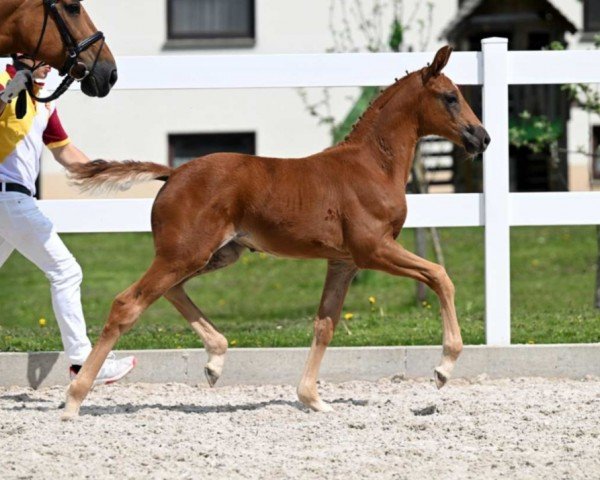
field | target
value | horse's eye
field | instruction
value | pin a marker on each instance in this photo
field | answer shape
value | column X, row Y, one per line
column 73, row 8
column 451, row 99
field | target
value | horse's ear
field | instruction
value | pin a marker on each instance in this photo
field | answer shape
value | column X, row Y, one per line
column 439, row 62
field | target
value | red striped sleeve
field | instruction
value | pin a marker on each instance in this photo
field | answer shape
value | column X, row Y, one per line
column 55, row 135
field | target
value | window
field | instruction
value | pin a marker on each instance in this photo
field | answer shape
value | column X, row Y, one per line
column 186, row 147
column 210, row 19
column 591, row 15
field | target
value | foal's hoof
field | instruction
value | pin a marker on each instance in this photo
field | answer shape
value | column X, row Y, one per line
column 211, row 376
column 321, row 406
column 69, row 416
column 71, row 411
column 440, row 377
column 317, row 405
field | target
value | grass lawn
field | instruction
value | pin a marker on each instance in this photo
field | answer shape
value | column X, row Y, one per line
column 262, row 301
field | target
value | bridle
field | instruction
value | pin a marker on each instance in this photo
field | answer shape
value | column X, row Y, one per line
column 73, row 68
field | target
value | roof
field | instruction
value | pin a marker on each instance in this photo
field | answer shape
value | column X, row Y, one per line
column 469, row 6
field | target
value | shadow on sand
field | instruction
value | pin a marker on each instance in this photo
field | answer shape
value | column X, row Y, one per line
column 39, row 366
column 129, row 408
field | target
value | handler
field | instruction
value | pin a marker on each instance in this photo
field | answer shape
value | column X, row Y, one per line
column 23, row 227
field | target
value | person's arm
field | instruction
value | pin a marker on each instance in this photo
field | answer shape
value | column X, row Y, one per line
column 58, row 142
column 68, row 155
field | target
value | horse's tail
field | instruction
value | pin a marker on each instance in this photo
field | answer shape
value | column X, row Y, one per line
column 111, row 175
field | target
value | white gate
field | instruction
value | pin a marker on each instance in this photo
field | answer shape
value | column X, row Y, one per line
column 494, row 68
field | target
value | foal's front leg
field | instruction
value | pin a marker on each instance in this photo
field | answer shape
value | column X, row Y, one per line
column 339, row 276
column 392, row 258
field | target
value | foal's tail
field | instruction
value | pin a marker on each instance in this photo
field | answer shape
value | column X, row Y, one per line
column 102, row 175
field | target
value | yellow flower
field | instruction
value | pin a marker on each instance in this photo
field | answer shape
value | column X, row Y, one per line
column 42, row 322
column 372, row 300
column 348, row 316
column 262, row 255
column 233, row 343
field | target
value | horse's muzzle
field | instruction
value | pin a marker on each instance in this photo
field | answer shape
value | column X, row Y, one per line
column 475, row 139
column 99, row 82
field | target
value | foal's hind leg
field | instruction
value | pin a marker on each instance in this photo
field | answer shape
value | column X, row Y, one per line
column 126, row 309
column 339, row 276
column 214, row 342
column 394, row 259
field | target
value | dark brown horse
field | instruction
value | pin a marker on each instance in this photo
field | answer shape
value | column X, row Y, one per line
column 60, row 33
column 346, row 204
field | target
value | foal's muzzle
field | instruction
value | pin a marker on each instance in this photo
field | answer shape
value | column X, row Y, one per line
column 475, row 139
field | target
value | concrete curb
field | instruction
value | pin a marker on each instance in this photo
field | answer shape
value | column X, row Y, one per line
column 284, row 365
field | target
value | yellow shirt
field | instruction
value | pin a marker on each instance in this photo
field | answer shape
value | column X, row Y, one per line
column 22, row 140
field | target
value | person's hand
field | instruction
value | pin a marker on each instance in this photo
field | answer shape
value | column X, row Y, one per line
column 16, row 85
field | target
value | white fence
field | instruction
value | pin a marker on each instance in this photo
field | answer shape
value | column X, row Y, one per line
column 496, row 209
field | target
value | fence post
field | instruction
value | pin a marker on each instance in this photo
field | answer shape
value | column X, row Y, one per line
column 496, row 191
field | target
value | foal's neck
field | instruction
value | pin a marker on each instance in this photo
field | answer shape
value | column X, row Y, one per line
column 388, row 129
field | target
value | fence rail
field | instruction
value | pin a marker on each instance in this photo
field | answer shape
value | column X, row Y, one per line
column 494, row 68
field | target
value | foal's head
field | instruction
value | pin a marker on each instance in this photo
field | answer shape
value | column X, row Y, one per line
column 443, row 110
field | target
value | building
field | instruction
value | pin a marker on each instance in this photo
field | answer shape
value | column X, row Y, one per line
column 528, row 25
column 174, row 126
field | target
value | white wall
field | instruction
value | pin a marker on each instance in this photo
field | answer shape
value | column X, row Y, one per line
column 135, row 124
column 139, row 27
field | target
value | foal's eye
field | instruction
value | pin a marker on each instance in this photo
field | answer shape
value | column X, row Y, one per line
column 451, row 99
column 73, row 8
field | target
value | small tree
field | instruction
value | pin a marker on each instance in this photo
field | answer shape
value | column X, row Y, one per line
column 360, row 25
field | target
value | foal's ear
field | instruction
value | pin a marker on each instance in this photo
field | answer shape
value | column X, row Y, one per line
column 439, row 62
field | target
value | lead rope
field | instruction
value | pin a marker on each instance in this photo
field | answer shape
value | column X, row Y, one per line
column 21, row 106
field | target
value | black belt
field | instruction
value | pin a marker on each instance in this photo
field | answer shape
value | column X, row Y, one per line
column 15, row 187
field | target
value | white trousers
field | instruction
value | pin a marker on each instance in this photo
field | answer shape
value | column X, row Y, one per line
column 23, row 227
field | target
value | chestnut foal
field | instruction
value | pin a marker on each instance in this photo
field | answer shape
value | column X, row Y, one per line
column 346, row 204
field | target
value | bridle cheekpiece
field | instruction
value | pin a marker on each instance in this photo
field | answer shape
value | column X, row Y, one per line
column 73, row 68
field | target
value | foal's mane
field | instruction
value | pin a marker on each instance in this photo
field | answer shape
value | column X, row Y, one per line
column 374, row 109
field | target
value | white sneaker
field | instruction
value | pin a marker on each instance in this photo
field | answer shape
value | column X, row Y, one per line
column 112, row 370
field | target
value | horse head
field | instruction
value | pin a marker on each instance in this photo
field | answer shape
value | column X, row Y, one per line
column 444, row 111
column 61, row 33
